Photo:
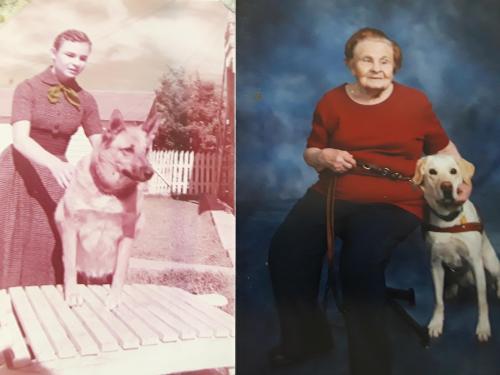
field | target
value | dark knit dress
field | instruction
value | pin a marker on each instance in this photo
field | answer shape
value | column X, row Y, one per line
column 30, row 248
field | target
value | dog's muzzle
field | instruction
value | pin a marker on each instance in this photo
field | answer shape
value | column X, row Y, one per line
column 141, row 174
column 447, row 190
column 146, row 173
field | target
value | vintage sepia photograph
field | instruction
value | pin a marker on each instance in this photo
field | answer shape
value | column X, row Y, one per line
column 117, row 183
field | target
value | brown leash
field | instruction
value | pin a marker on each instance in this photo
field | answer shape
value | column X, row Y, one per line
column 330, row 207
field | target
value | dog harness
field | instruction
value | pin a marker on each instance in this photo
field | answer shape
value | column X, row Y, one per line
column 462, row 227
column 467, row 227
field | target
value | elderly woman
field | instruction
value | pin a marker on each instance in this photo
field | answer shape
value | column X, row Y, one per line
column 376, row 121
column 47, row 109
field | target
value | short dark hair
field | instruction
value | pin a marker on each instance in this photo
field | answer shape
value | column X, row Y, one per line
column 372, row 33
column 73, row 36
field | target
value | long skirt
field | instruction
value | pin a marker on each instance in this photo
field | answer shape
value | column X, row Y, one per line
column 30, row 247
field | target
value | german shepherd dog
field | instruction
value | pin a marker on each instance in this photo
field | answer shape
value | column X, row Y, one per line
column 99, row 214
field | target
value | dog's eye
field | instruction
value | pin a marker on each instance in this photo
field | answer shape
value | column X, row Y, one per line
column 127, row 149
column 432, row 171
column 453, row 171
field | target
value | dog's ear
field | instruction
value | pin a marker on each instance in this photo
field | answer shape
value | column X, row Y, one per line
column 467, row 169
column 116, row 123
column 418, row 177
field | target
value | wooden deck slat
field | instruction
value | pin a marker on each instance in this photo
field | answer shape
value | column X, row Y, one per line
column 63, row 346
column 37, row 338
column 146, row 335
column 126, row 338
column 81, row 338
column 203, row 329
column 19, row 353
column 164, row 331
column 149, row 313
column 186, row 332
column 101, row 334
column 219, row 330
column 226, row 319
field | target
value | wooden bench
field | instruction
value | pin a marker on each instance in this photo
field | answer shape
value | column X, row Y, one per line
column 156, row 330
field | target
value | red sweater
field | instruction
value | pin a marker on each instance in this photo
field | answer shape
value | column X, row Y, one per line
column 393, row 134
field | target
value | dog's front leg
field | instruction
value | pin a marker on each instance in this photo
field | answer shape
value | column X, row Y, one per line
column 483, row 329
column 490, row 261
column 435, row 326
column 69, row 243
column 120, row 274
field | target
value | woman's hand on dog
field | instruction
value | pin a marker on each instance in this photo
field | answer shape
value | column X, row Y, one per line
column 62, row 172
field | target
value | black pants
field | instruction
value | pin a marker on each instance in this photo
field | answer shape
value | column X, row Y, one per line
column 369, row 233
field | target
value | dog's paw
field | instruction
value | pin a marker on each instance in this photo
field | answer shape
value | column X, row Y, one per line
column 74, row 299
column 72, row 296
column 483, row 331
column 112, row 300
column 435, row 327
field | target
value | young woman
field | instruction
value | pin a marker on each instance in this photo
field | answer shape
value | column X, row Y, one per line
column 47, row 109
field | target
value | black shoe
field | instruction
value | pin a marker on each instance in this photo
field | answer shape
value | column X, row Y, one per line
column 279, row 358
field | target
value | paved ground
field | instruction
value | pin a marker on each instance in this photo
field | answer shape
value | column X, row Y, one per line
column 175, row 231
column 457, row 352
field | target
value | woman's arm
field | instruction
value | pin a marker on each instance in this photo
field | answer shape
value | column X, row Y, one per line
column 23, row 143
column 451, row 150
column 336, row 160
column 464, row 190
column 95, row 140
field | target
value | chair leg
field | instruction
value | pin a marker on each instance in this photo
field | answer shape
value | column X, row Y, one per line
column 408, row 295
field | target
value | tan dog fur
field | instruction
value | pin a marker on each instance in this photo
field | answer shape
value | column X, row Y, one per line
column 100, row 212
column 433, row 174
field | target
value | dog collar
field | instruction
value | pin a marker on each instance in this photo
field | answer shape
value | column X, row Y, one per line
column 121, row 193
column 450, row 217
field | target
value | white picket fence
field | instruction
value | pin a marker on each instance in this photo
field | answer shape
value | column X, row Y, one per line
column 178, row 173
column 184, row 173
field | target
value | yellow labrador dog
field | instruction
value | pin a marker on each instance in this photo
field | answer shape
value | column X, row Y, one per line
column 455, row 234
column 99, row 214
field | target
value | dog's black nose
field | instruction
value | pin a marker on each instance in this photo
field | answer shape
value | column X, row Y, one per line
column 147, row 173
column 446, row 188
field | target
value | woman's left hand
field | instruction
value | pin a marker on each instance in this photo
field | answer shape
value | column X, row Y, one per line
column 464, row 191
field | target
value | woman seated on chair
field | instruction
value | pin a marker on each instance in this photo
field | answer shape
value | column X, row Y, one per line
column 358, row 129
